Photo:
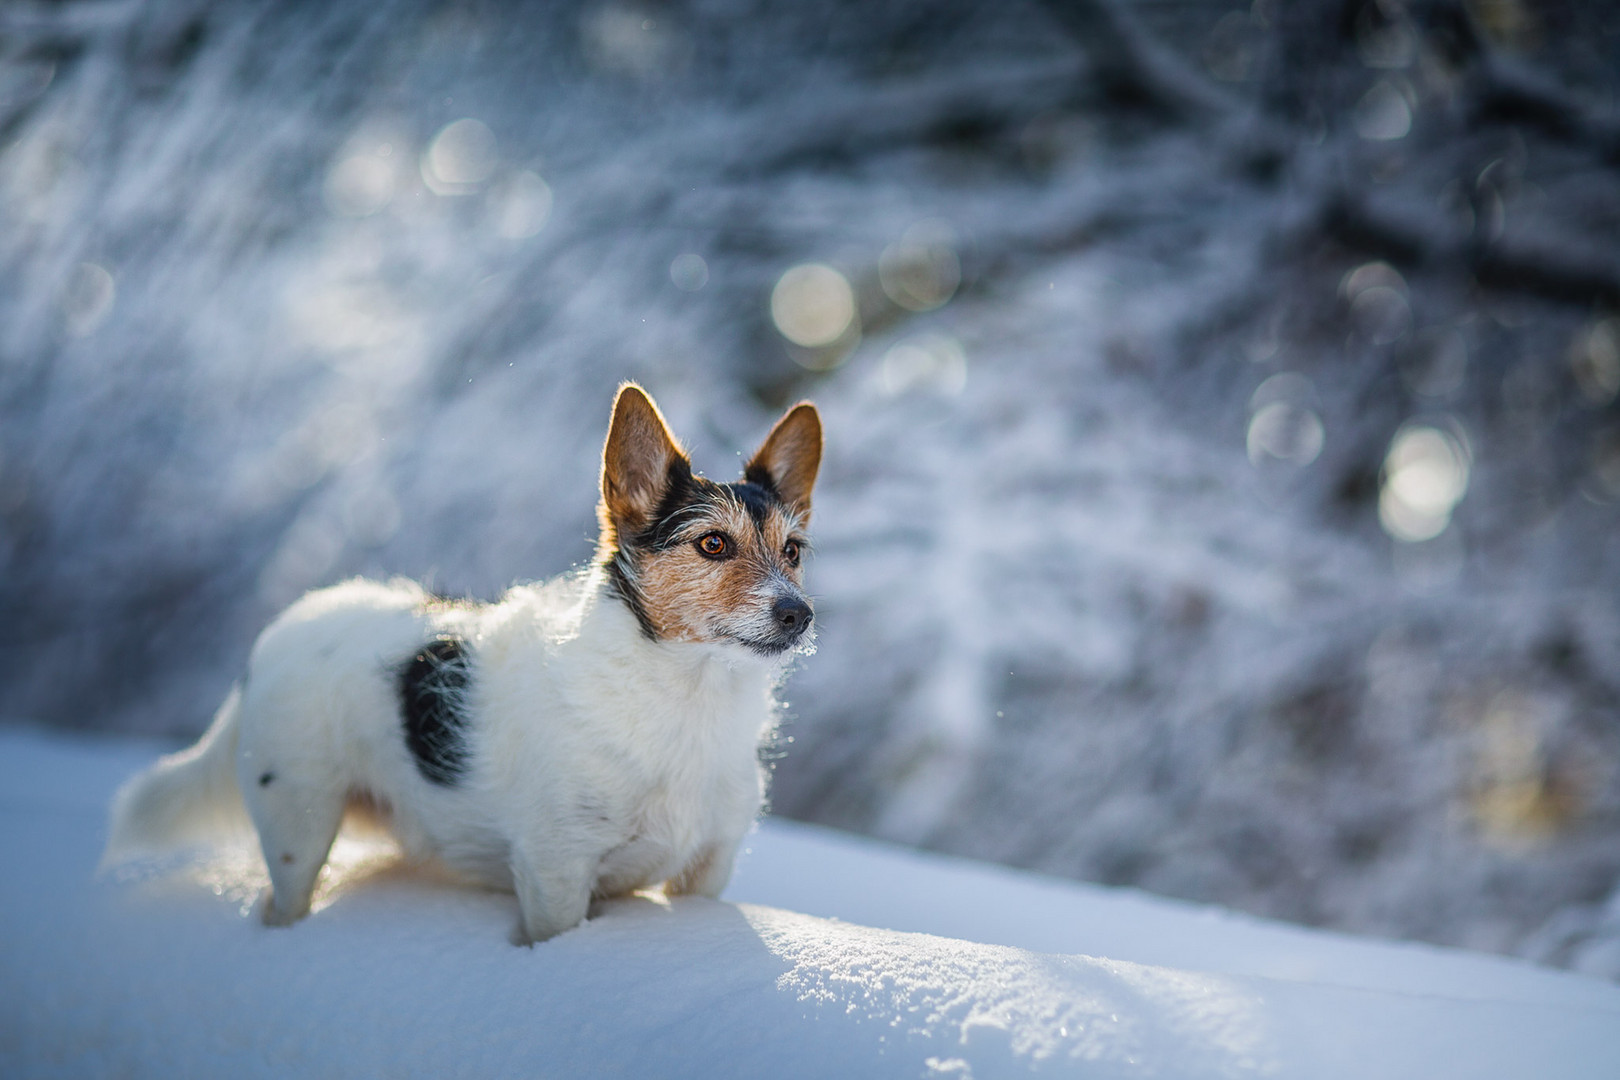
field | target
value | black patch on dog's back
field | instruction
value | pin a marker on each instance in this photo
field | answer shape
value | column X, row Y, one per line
column 433, row 705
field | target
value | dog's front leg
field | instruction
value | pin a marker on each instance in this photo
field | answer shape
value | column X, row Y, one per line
column 553, row 890
column 707, row 873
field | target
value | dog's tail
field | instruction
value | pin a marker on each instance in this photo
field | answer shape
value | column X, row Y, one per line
column 185, row 797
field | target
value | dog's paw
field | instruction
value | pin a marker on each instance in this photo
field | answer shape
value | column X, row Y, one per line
column 522, row 935
column 268, row 913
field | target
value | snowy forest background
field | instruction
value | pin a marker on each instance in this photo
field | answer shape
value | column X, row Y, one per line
column 1223, row 448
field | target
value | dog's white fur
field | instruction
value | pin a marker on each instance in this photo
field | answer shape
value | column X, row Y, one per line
column 602, row 760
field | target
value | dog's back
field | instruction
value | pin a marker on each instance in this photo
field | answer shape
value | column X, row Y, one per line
column 321, row 698
column 325, row 725
column 299, row 696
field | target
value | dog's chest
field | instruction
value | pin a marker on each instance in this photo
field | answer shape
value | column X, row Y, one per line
column 694, row 793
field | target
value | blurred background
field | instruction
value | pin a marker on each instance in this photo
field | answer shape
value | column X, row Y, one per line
column 1223, row 450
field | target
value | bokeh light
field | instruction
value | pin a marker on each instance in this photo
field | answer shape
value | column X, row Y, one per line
column 1285, row 432
column 520, row 206
column 920, row 271
column 1595, row 360
column 1381, row 314
column 689, row 272
column 926, row 363
column 1514, row 799
column 88, row 299
column 361, row 184
column 1383, row 114
column 1425, row 476
column 1368, row 275
column 1282, row 424
column 460, row 157
column 813, row 305
column 1379, row 310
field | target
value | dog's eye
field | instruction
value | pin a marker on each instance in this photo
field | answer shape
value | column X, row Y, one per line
column 790, row 551
column 714, row 545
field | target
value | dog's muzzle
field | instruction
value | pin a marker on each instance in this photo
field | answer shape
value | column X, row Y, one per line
column 792, row 617
column 790, row 622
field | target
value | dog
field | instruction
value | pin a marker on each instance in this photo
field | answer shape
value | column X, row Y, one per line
column 579, row 739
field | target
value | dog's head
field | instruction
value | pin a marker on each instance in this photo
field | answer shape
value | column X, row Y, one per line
column 701, row 561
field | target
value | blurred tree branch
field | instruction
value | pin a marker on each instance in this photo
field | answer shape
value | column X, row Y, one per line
column 1129, row 67
column 1503, row 91
column 1552, row 267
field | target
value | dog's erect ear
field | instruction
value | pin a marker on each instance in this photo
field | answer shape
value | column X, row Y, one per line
column 790, row 456
column 635, row 462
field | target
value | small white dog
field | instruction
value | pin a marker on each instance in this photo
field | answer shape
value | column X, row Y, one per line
column 584, row 737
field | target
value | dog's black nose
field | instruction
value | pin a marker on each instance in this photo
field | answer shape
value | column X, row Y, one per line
column 792, row 616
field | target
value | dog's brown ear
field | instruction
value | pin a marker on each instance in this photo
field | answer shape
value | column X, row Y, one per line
column 636, row 462
column 789, row 457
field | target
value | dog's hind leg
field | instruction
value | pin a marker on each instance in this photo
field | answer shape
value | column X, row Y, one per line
column 297, row 824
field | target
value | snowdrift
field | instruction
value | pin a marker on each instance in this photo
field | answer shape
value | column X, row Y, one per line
column 163, row 973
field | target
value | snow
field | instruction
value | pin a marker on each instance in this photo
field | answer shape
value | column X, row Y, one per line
column 976, row 971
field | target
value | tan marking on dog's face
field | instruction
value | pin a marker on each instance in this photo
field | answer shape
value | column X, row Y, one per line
column 689, row 596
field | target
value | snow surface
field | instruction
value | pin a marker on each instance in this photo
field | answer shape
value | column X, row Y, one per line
column 981, row 972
